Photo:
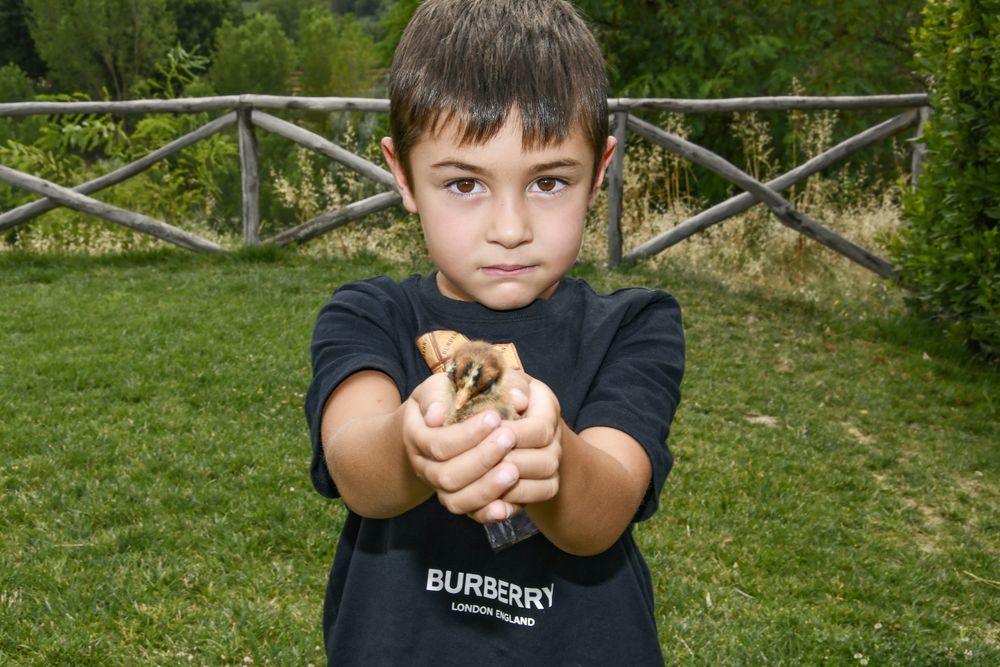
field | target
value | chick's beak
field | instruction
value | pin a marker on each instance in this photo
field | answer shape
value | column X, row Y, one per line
column 462, row 395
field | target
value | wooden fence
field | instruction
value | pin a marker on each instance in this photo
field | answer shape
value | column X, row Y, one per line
column 246, row 113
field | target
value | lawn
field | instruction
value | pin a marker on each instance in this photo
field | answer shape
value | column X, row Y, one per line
column 835, row 500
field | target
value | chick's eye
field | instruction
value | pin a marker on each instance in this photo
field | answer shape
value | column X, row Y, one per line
column 548, row 185
column 464, row 186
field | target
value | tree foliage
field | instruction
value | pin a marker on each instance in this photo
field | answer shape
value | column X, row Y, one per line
column 255, row 57
column 100, row 45
column 949, row 249
column 337, row 56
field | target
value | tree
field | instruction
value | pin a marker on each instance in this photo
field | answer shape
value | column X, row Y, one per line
column 949, row 248
column 97, row 45
column 337, row 56
column 255, row 57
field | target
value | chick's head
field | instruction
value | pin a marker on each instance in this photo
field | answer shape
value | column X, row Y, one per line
column 476, row 372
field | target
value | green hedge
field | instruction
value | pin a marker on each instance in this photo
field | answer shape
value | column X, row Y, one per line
column 949, row 248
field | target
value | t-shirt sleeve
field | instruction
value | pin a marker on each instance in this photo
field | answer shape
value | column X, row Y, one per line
column 637, row 389
column 354, row 332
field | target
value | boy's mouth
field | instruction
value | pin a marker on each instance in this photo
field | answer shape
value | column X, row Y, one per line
column 506, row 269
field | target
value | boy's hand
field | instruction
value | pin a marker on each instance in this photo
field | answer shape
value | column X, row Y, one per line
column 538, row 445
column 462, row 463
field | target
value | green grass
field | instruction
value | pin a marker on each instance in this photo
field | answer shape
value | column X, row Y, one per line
column 836, row 496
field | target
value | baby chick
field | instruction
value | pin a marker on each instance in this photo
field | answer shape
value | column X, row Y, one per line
column 477, row 377
column 477, row 372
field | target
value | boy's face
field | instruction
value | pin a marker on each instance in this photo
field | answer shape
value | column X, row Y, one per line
column 502, row 225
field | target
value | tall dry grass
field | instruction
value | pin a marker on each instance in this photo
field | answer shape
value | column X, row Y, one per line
column 754, row 249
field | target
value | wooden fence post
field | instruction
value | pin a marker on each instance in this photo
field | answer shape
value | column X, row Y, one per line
column 250, row 177
column 616, row 185
column 919, row 148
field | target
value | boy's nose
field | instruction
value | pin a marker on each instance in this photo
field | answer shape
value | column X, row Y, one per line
column 511, row 223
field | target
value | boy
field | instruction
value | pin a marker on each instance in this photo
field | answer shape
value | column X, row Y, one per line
column 499, row 143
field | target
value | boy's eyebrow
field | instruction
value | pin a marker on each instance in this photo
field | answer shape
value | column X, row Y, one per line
column 459, row 165
column 556, row 164
column 541, row 167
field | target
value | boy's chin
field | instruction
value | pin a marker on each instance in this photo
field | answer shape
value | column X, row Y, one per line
column 509, row 297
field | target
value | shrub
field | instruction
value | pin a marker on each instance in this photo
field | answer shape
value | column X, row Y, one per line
column 15, row 86
column 949, row 247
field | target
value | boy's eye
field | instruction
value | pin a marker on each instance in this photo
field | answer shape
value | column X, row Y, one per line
column 464, row 186
column 548, row 184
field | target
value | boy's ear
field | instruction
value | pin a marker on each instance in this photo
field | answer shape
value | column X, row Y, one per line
column 602, row 167
column 399, row 173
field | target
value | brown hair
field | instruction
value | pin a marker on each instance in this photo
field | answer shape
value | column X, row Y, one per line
column 473, row 61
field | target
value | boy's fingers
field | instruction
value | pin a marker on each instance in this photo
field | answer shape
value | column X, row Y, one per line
column 477, row 496
column 471, row 466
column 435, row 414
column 444, row 443
column 498, row 510
column 529, row 491
column 517, row 388
column 534, row 432
column 519, row 400
column 536, row 463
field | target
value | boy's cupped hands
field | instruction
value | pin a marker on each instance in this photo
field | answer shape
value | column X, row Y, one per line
column 485, row 467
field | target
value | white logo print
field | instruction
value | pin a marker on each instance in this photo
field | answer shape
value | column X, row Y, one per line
column 484, row 587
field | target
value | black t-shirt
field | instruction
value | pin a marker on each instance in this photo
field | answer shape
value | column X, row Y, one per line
column 424, row 587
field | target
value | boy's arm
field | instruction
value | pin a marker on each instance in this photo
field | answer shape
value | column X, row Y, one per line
column 603, row 478
column 581, row 490
column 387, row 455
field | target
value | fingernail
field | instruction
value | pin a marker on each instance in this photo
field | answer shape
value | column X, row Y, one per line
column 498, row 514
column 505, row 440
column 491, row 419
column 506, row 476
column 517, row 394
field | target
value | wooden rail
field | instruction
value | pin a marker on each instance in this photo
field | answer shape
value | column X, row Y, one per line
column 245, row 112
